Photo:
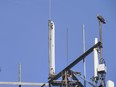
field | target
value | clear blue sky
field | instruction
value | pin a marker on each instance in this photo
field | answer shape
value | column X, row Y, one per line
column 24, row 36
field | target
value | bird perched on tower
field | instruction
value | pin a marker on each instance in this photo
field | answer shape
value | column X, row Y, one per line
column 101, row 19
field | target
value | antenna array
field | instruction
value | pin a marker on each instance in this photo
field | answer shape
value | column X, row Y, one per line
column 67, row 73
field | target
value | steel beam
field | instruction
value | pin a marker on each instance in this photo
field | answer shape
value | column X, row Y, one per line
column 23, row 83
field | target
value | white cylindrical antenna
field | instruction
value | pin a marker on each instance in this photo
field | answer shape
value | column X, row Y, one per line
column 95, row 59
column 110, row 83
column 51, row 26
column 84, row 61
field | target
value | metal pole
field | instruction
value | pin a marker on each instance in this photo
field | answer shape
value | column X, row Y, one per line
column 66, row 82
column 23, row 84
column 100, row 36
column 84, row 61
column 102, row 83
column 83, row 38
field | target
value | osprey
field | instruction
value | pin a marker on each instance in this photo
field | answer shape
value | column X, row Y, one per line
column 101, row 19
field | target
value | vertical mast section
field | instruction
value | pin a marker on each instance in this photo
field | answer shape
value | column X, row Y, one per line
column 101, row 67
column 51, row 26
column 100, row 36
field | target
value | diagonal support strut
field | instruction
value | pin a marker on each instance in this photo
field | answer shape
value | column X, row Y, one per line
column 75, row 62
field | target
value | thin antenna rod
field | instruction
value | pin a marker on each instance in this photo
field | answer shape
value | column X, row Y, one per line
column 83, row 38
column 84, row 61
column 19, row 74
column 50, row 8
column 67, row 45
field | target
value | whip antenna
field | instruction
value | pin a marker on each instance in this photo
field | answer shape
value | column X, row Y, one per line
column 50, row 7
column 84, row 61
column 67, row 45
